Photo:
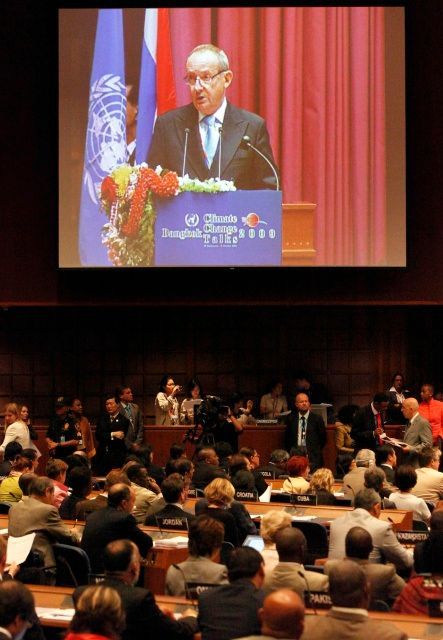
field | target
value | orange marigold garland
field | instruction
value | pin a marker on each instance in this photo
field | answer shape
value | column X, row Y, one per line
column 126, row 197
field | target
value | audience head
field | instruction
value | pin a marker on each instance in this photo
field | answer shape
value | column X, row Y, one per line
column 116, row 477
column 385, row 455
column 223, row 450
column 369, row 500
column 182, row 466
column 348, row 586
column 291, row 545
column 297, row 466
column 282, row 615
column 346, row 462
column 346, row 413
column 137, row 473
column 56, row 469
column 398, row 381
column 436, row 522
column 380, row 401
column 426, row 391
column 220, row 492
column 177, row 450
column 166, row 384
column 12, row 449
column 80, row 481
column 375, row 478
column 365, row 458
column 42, row 489
column 245, row 563
column 405, row 477
column 430, row 457
column 111, row 404
column 252, row 455
column 409, row 408
column 25, row 481
column 358, row 543
column 99, row 611
column 17, row 610
column 123, row 393
column 243, row 480
column 238, row 463
column 31, row 455
column 122, row 557
column 12, row 413
column 205, row 536
column 273, row 521
column 302, row 403
column 121, row 497
column 279, row 457
column 194, row 389
column 75, row 460
column 174, row 489
column 322, row 479
column 21, row 465
column 208, row 455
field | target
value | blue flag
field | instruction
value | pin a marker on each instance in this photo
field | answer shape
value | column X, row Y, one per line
column 105, row 146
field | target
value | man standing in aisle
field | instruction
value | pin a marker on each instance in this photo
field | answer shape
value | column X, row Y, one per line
column 205, row 138
column 306, row 429
column 134, row 436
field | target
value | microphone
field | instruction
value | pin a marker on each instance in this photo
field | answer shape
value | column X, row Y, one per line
column 220, row 131
column 247, row 141
column 187, row 591
column 311, row 602
column 185, row 152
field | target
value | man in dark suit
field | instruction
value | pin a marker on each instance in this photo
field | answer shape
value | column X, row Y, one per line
column 110, row 433
column 232, row 610
column 206, row 468
column 114, row 522
column 175, row 493
column 368, row 423
column 386, row 459
column 213, row 148
column 306, row 429
column 128, row 408
column 144, row 619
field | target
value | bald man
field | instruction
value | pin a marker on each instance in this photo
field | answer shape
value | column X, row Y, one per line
column 289, row 572
column 418, row 432
column 348, row 618
column 282, row 616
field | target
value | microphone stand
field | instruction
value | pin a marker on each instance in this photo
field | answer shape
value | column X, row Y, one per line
column 247, row 141
column 185, row 152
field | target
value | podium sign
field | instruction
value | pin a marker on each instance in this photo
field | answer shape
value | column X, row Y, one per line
column 235, row 228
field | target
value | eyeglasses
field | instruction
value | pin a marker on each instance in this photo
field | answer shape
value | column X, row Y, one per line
column 205, row 81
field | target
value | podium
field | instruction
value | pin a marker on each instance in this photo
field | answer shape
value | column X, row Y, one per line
column 233, row 228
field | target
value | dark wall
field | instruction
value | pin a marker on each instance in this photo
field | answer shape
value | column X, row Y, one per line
column 28, row 202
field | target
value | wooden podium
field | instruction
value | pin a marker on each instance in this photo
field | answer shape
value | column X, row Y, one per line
column 298, row 228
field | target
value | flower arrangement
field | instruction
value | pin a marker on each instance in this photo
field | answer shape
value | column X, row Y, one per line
column 127, row 199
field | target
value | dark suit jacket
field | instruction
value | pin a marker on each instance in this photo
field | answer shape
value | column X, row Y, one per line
column 143, row 617
column 363, row 427
column 134, row 434
column 110, row 524
column 111, row 454
column 230, row 611
column 170, row 511
column 204, row 473
column 238, row 163
column 315, row 437
column 389, row 473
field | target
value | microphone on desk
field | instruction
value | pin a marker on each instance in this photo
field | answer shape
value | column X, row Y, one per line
column 308, row 590
column 187, row 590
column 185, row 151
column 246, row 140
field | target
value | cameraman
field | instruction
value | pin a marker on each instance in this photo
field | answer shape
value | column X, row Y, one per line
column 62, row 435
column 228, row 428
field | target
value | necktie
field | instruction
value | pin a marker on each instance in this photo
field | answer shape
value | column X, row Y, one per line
column 379, row 425
column 211, row 139
column 303, row 431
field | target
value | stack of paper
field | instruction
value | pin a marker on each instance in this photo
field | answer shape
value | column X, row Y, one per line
column 177, row 541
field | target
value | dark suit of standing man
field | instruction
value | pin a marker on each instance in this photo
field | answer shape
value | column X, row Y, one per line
column 110, row 434
column 128, row 408
column 208, row 76
column 307, row 429
column 368, row 423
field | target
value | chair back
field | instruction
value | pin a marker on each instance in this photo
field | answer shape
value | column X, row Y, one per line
column 317, row 540
column 194, row 589
column 72, row 565
column 419, row 525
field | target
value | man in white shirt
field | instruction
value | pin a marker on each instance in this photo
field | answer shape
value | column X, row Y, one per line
column 429, row 485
